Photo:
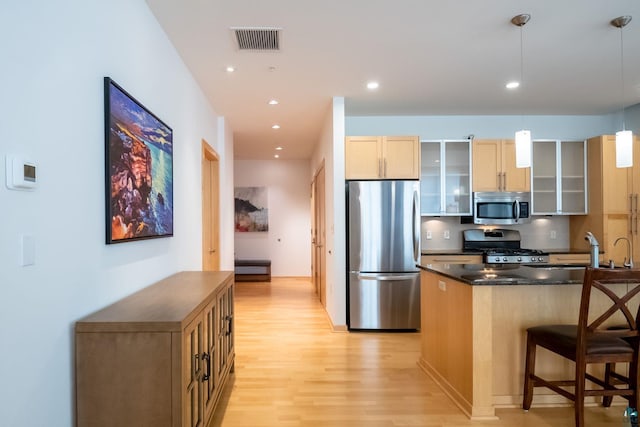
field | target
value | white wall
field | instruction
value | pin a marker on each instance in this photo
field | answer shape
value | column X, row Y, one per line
column 225, row 151
column 288, row 242
column 54, row 56
column 460, row 127
column 330, row 149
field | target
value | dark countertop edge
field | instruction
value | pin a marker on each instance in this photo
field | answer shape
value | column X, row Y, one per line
column 460, row 252
column 526, row 282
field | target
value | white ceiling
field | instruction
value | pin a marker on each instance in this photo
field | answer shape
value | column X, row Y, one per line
column 430, row 57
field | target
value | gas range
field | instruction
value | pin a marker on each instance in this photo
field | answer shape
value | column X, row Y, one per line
column 514, row 256
column 501, row 246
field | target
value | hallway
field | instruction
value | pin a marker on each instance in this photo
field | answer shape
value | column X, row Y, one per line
column 292, row 370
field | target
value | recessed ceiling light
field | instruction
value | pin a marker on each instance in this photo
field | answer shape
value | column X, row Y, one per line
column 273, row 102
column 230, row 69
column 275, row 127
column 512, row 85
column 277, row 156
column 278, row 148
column 373, row 85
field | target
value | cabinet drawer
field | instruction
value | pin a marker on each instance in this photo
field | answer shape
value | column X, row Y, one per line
column 569, row 259
column 451, row 259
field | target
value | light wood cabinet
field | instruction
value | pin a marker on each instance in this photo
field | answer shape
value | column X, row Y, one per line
column 494, row 167
column 613, row 202
column 445, row 178
column 578, row 259
column 427, row 260
column 382, row 157
column 158, row 357
column 559, row 178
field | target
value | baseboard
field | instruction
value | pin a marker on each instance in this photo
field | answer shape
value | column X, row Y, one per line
column 293, row 278
column 554, row 400
column 474, row 414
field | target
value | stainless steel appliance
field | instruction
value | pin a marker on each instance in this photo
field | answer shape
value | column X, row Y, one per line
column 500, row 246
column 501, row 208
column 383, row 240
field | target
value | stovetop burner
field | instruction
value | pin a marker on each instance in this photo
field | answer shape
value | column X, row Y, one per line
column 514, row 256
column 501, row 246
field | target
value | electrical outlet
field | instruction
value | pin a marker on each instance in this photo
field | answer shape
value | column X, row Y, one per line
column 552, row 234
column 429, row 236
column 442, row 285
column 446, row 234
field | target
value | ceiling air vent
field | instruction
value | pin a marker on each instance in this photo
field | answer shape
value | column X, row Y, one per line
column 257, row 38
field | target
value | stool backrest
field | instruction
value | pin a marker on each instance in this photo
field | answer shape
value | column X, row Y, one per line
column 610, row 304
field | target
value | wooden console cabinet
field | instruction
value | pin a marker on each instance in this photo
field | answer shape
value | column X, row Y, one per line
column 159, row 357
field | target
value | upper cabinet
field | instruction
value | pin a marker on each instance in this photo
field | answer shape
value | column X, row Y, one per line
column 613, row 201
column 445, row 178
column 382, row 157
column 559, row 178
column 494, row 167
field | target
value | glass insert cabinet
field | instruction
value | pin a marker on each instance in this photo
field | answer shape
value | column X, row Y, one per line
column 445, row 177
column 559, row 178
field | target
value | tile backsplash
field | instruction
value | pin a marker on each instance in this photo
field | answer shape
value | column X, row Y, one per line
column 543, row 232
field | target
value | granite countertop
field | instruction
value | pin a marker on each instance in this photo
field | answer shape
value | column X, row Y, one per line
column 509, row 274
column 461, row 252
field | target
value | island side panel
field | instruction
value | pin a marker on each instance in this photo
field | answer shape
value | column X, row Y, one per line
column 447, row 336
column 516, row 308
column 482, row 352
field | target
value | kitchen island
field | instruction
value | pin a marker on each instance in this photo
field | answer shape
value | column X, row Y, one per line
column 473, row 325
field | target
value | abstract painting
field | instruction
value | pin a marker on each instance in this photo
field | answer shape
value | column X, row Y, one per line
column 138, row 169
column 251, row 211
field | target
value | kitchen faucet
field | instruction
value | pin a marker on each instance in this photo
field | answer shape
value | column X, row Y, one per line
column 595, row 249
column 628, row 264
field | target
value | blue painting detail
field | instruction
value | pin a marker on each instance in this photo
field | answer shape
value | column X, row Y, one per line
column 139, row 170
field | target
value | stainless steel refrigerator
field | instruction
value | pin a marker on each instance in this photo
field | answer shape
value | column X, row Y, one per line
column 383, row 240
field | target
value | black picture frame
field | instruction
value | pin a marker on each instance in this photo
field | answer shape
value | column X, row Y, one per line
column 138, row 169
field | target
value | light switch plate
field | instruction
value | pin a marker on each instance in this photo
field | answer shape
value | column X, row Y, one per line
column 28, row 250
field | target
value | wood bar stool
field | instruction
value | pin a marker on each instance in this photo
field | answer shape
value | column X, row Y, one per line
column 591, row 341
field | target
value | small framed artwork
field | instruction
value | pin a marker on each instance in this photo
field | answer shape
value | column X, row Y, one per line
column 138, row 169
column 251, row 212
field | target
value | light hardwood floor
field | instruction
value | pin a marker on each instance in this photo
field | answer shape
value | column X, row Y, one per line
column 292, row 370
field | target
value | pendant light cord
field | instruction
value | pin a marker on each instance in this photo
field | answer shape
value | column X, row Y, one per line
column 522, row 76
column 622, row 75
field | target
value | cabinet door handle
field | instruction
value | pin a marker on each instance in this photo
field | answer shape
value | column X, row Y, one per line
column 385, row 168
column 229, row 324
column 499, row 181
column 207, row 374
column 379, row 168
column 635, row 197
column 504, row 181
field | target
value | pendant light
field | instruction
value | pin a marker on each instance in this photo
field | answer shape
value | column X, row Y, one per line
column 523, row 137
column 624, row 138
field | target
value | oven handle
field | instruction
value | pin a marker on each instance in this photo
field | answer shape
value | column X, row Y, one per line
column 516, row 210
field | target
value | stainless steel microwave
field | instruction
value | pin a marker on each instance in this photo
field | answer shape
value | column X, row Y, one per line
column 501, row 208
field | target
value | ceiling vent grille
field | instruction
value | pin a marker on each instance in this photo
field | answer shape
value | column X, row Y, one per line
column 258, row 38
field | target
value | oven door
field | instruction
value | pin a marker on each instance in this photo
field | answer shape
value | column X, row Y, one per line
column 501, row 208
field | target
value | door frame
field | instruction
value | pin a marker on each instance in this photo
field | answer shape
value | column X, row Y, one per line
column 318, row 234
column 210, row 208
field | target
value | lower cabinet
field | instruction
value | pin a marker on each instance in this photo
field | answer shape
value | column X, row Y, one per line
column 451, row 259
column 159, row 357
column 575, row 258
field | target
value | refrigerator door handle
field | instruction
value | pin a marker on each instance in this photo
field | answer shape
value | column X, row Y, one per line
column 416, row 229
column 378, row 277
